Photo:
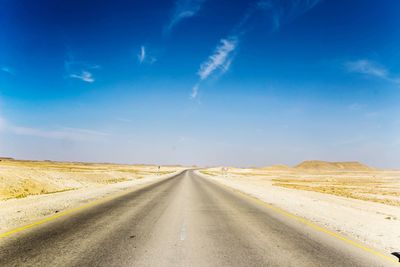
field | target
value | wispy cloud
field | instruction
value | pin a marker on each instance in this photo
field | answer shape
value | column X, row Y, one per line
column 8, row 70
column 371, row 68
column 144, row 57
column 124, row 120
column 282, row 12
column 278, row 11
column 79, row 69
column 355, row 106
column 142, row 54
column 183, row 9
column 65, row 133
column 85, row 76
column 218, row 62
column 85, row 131
column 221, row 58
column 195, row 91
column 367, row 67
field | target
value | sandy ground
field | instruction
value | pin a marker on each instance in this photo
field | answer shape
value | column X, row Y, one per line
column 368, row 220
column 30, row 191
column 19, row 178
column 183, row 221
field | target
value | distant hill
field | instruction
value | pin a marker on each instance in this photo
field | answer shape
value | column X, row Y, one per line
column 278, row 167
column 6, row 158
column 333, row 166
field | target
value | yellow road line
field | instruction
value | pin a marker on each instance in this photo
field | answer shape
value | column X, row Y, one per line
column 61, row 214
column 314, row 226
column 269, row 206
column 74, row 210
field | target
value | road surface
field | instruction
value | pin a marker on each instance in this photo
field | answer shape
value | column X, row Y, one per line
column 185, row 220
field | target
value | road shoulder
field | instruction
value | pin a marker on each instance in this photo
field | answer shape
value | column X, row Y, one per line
column 364, row 222
column 15, row 213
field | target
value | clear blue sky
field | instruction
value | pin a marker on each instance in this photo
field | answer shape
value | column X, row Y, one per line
column 208, row 82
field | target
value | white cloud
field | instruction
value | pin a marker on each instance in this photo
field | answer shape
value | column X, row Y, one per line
column 220, row 59
column 142, row 54
column 8, row 70
column 279, row 11
column 195, row 91
column 282, row 12
column 145, row 57
column 368, row 67
column 184, row 9
column 85, row 76
column 66, row 133
column 79, row 69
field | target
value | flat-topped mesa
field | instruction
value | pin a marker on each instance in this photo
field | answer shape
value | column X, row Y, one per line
column 333, row 166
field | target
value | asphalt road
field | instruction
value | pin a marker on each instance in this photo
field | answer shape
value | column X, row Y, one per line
column 185, row 220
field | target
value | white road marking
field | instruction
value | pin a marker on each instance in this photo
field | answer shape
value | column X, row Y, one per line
column 183, row 231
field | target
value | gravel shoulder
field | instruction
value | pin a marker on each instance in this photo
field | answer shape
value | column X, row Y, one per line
column 374, row 224
column 21, row 211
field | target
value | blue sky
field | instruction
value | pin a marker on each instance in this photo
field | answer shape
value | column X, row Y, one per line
column 208, row 82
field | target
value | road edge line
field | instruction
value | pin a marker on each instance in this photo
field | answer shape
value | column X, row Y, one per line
column 82, row 207
column 306, row 222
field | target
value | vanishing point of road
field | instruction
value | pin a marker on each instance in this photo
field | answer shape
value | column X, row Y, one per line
column 184, row 220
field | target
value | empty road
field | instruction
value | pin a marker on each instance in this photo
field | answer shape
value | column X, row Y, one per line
column 185, row 220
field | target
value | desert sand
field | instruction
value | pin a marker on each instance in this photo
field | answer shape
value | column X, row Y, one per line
column 348, row 197
column 32, row 190
column 20, row 178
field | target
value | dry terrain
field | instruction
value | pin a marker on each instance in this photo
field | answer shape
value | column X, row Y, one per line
column 19, row 178
column 32, row 190
column 347, row 197
column 346, row 179
column 185, row 220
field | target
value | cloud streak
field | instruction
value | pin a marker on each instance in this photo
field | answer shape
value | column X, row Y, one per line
column 85, row 76
column 283, row 12
column 66, row 133
column 184, row 9
column 80, row 70
column 280, row 12
column 371, row 68
column 144, row 57
column 367, row 67
column 62, row 134
column 221, row 58
column 195, row 91
column 218, row 62
column 8, row 70
column 142, row 54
